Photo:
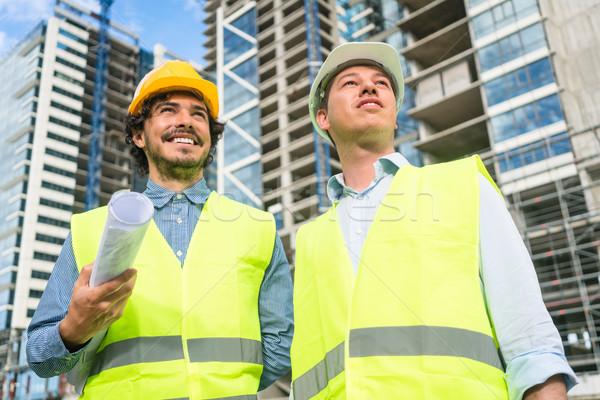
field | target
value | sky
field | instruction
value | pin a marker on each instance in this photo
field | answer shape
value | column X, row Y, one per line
column 176, row 24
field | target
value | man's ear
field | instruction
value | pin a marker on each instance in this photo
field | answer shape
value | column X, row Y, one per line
column 323, row 120
column 138, row 138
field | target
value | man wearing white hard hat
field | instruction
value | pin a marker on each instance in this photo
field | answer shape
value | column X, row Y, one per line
column 205, row 311
column 415, row 284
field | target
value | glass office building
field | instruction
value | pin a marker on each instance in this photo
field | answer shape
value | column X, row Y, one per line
column 46, row 114
column 233, row 62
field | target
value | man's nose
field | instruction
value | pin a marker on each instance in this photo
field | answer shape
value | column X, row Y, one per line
column 185, row 120
column 369, row 87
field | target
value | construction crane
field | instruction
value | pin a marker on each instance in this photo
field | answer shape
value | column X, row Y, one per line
column 323, row 165
column 97, row 131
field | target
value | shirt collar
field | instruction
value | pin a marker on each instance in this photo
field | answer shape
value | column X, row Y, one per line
column 197, row 193
column 386, row 165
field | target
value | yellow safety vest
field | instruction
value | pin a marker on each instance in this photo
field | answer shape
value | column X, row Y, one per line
column 413, row 324
column 190, row 332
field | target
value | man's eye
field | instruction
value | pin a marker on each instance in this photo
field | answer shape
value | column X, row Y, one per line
column 349, row 83
column 384, row 83
column 167, row 109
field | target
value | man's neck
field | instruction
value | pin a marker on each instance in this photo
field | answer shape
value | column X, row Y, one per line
column 357, row 166
column 174, row 185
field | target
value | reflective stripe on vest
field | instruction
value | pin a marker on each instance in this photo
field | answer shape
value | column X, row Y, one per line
column 423, row 340
column 225, row 350
column 137, row 350
column 168, row 348
column 316, row 379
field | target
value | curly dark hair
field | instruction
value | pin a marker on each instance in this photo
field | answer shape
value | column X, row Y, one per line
column 135, row 122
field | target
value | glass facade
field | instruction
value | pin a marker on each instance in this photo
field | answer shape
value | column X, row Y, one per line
column 534, row 152
column 512, row 46
column 240, row 177
column 538, row 112
column 520, row 81
column 502, row 15
column 18, row 105
column 529, row 117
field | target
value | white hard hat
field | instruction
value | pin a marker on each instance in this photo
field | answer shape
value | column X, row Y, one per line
column 356, row 53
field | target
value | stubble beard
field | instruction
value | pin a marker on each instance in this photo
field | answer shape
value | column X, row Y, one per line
column 179, row 169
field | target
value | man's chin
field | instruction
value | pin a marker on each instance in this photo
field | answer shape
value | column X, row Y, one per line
column 180, row 168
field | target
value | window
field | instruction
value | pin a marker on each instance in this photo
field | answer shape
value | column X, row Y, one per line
column 512, row 46
column 66, row 93
column 527, row 118
column 67, row 78
column 502, row 15
column 520, row 81
column 30, row 313
column 62, row 139
column 70, row 64
column 55, row 204
column 35, row 294
column 69, row 49
column 53, row 222
column 534, row 152
column 49, row 239
column 68, row 109
column 473, row 3
column 71, row 36
column 60, row 122
column 44, row 256
column 58, row 188
column 59, row 171
column 59, row 154
column 40, row 275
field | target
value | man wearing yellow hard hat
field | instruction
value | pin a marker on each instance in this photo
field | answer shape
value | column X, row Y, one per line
column 416, row 284
column 205, row 312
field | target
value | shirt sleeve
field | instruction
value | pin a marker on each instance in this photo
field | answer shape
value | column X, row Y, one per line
column 276, row 317
column 46, row 353
column 529, row 342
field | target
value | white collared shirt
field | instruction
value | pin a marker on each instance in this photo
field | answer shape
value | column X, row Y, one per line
column 529, row 341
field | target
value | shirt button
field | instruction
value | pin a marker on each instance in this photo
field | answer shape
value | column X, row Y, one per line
column 68, row 358
column 179, row 220
column 179, row 196
column 179, row 253
column 359, row 231
column 360, row 197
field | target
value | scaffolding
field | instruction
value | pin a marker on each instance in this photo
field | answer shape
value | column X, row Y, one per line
column 560, row 225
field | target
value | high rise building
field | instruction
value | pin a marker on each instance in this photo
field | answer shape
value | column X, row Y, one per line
column 514, row 81
column 233, row 63
column 46, row 113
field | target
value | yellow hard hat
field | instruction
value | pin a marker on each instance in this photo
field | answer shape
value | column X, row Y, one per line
column 175, row 75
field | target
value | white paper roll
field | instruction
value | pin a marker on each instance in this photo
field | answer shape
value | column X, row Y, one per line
column 129, row 214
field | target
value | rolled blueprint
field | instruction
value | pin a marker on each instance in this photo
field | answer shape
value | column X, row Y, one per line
column 129, row 214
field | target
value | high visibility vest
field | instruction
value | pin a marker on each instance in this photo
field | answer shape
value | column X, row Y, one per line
column 413, row 323
column 191, row 332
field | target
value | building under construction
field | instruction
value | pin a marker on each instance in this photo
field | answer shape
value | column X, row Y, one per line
column 48, row 116
column 514, row 81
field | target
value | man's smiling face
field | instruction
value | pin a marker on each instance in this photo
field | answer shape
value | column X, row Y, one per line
column 176, row 136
